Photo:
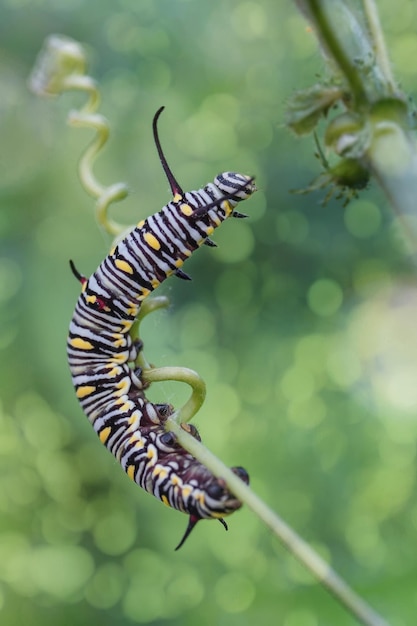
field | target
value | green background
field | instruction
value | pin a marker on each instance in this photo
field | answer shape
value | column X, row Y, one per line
column 302, row 323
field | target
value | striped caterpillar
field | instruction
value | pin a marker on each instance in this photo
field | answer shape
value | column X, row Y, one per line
column 101, row 351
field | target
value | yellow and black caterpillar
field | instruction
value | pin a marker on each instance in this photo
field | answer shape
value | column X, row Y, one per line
column 101, row 350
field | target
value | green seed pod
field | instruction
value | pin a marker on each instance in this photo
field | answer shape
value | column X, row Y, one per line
column 349, row 173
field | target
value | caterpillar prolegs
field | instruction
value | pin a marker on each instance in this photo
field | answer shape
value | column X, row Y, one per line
column 101, row 350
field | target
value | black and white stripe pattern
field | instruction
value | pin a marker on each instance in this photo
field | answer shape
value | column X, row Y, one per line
column 101, row 351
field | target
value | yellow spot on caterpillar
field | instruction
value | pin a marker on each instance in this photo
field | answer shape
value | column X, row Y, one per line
column 91, row 299
column 201, row 498
column 81, row 344
column 152, row 241
column 226, row 206
column 120, row 341
column 124, row 406
column 151, row 454
column 84, row 286
column 186, row 210
column 132, row 309
column 122, row 387
column 159, row 471
column 126, row 325
column 155, row 283
column 85, row 390
column 118, row 358
column 210, row 230
column 140, row 224
column 176, row 480
column 104, row 434
column 179, row 262
column 124, row 266
column 142, row 294
column 186, row 491
column 113, row 250
column 137, row 440
column 177, row 197
column 130, row 471
column 113, row 370
column 165, row 500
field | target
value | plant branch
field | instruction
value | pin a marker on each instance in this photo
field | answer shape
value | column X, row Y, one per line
column 293, row 542
column 377, row 35
column 383, row 142
column 182, row 375
column 392, row 157
column 322, row 15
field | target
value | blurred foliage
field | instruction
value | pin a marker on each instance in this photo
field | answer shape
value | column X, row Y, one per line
column 302, row 323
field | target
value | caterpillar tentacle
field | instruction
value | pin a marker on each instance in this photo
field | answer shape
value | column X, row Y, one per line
column 102, row 354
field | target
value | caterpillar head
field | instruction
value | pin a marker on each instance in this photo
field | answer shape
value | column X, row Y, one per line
column 212, row 499
column 228, row 188
column 235, row 187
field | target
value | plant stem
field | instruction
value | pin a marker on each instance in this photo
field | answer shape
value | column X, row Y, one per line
column 392, row 157
column 323, row 14
column 377, row 35
column 184, row 375
column 293, row 542
column 387, row 147
column 149, row 305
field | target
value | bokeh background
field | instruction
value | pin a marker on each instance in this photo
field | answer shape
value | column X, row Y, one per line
column 302, row 323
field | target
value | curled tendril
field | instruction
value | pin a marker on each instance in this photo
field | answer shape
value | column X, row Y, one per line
column 152, row 374
column 60, row 67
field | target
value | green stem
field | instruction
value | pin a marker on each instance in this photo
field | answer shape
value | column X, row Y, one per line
column 110, row 194
column 104, row 195
column 184, row 375
column 81, row 82
column 323, row 15
column 381, row 52
column 98, row 123
column 149, row 305
column 387, row 145
column 293, row 542
column 392, row 157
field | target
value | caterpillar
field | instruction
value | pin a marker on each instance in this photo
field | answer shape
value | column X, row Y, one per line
column 101, row 352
